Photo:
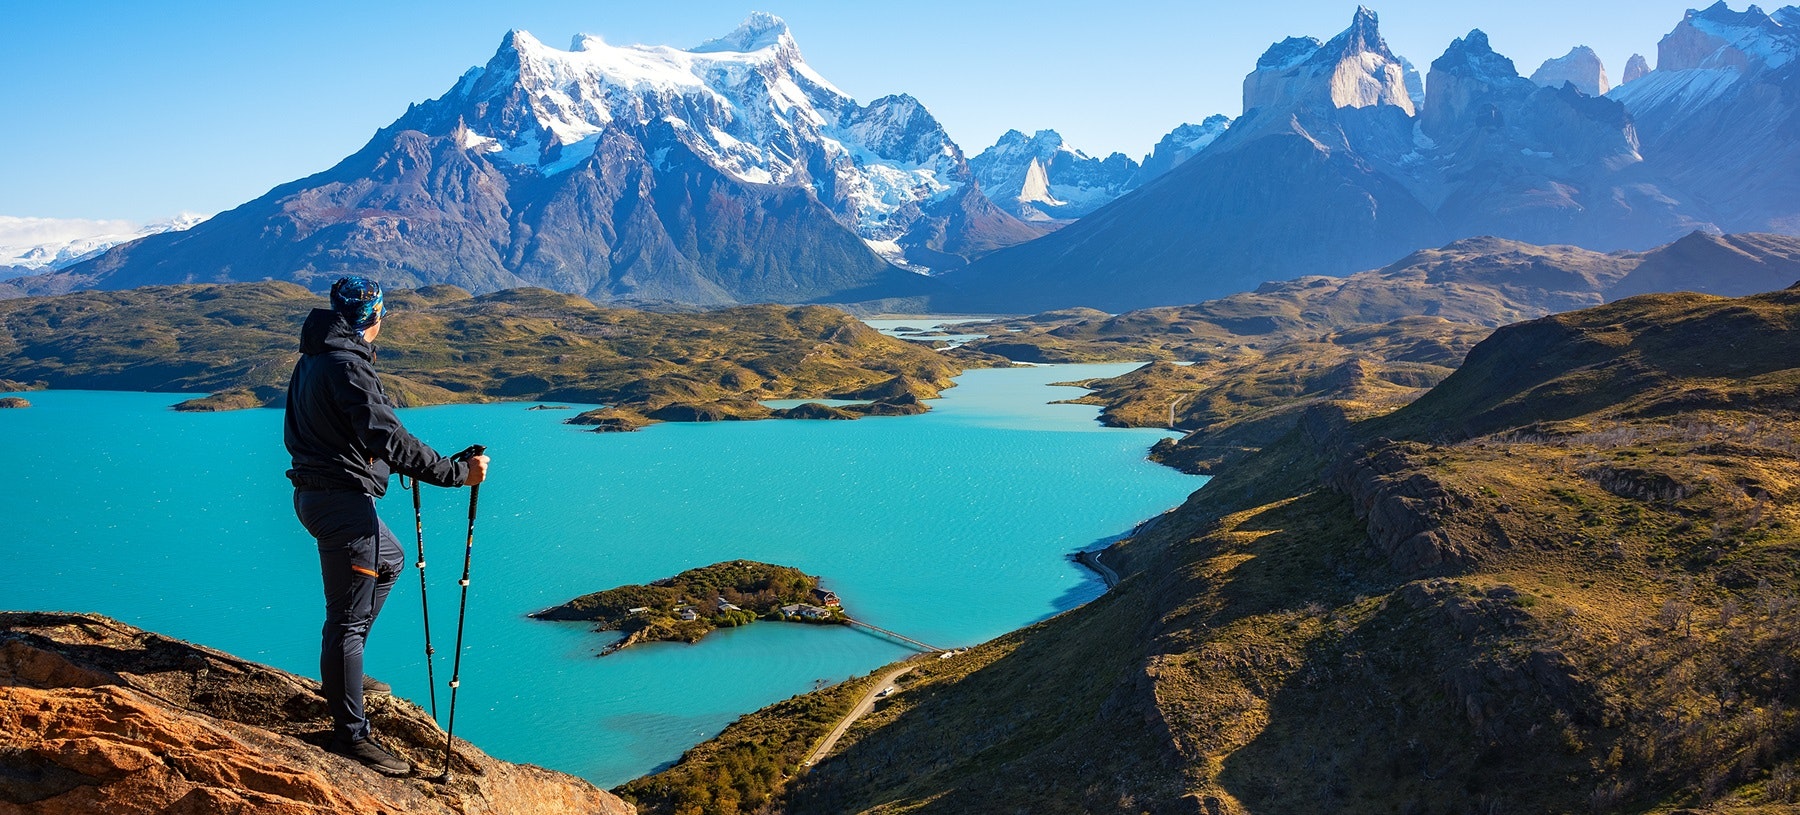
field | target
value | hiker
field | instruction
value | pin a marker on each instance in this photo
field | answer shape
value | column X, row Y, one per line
column 345, row 440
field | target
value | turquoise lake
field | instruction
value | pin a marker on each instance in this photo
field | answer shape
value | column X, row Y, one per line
column 952, row 527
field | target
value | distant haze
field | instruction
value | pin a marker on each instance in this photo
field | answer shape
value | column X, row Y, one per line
column 144, row 110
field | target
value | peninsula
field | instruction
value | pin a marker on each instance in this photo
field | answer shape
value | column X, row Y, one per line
column 690, row 605
column 443, row 345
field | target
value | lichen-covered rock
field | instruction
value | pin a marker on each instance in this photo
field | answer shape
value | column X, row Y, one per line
column 1407, row 510
column 99, row 717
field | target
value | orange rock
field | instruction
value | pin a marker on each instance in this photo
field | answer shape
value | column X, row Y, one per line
column 99, row 717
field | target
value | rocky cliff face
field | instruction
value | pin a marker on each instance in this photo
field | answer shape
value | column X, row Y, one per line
column 1580, row 67
column 1355, row 69
column 100, row 717
column 1635, row 68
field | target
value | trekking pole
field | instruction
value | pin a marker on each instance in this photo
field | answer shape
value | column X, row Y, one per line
column 462, row 611
column 425, row 605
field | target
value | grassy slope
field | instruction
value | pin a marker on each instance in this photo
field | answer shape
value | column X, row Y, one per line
column 745, row 768
column 1561, row 582
column 1370, row 341
column 442, row 345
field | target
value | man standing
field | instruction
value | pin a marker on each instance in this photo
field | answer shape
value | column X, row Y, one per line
column 345, row 441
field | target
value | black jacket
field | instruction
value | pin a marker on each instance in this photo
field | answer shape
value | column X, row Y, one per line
column 341, row 429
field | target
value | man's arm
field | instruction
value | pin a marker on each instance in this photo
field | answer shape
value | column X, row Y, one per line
column 380, row 431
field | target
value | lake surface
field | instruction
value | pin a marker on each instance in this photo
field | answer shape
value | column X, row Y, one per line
column 952, row 528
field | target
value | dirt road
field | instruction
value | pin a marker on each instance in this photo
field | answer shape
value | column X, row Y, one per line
column 863, row 706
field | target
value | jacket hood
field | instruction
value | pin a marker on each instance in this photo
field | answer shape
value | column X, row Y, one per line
column 326, row 330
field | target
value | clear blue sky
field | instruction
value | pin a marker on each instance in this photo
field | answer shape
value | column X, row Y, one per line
column 138, row 110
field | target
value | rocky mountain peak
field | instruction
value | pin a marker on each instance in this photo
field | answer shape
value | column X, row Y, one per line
column 1041, row 177
column 1635, row 68
column 1363, row 36
column 1288, row 53
column 759, row 31
column 1354, row 69
column 1580, row 67
column 1181, row 144
column 899, row 127
column 1718, row 37
column 1465, row 82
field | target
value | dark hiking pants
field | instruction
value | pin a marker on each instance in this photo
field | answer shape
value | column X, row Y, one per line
column 359, row 560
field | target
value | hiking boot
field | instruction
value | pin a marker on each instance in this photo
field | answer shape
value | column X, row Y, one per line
column 373, row 685
column 370, row 755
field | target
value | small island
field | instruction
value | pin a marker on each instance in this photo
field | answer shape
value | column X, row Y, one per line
column 14, row 402
column 690, row 605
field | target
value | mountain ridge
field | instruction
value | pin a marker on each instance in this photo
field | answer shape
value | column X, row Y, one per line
column 1332, row 146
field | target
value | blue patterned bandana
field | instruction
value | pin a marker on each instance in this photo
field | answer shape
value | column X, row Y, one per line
column 357, row 298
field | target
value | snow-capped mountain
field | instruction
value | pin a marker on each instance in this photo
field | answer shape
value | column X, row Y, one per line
column 1718, row 113
column 35, row 244
column 1181, row 144
column 1040, row 178
column 746, row 103
column 1337, row 165
column 728, row 172
column 1580, row 67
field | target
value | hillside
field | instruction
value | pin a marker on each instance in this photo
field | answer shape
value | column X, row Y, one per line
column 1561, row 581
column 1370, row 341
column 443, row 345
column 99, row 717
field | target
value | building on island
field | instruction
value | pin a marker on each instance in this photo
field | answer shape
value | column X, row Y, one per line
column 688, row 614
column 828, row 599
column 806, row 611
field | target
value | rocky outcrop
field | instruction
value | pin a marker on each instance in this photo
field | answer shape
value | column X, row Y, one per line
column 1409, row 513
column 14, row 402
column 1635, row 68
column 1489, row 685
column 1580, row 67
column 99, row 717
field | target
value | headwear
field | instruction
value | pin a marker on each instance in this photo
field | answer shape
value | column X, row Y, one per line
column 357, row 298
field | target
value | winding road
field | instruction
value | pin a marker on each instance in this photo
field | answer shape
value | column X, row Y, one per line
column 863, row 706
column 1091, row 559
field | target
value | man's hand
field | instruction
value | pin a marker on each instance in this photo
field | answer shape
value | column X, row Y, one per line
column 477, row 471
